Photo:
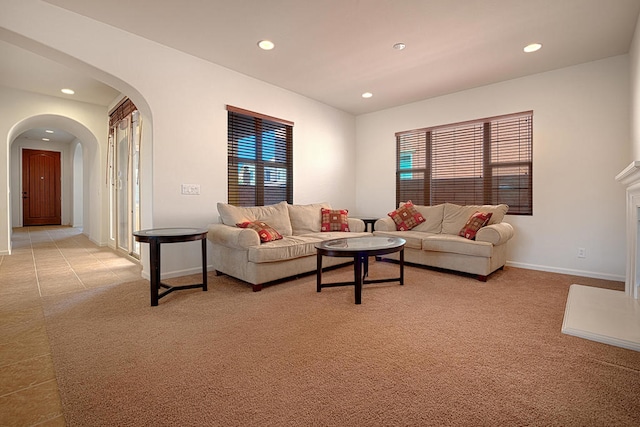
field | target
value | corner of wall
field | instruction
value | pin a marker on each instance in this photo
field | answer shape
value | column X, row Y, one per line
column 634, row 77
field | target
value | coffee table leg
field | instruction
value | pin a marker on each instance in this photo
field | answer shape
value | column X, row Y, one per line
column 319, row 273
column 402, row 267
column 154, row 261
column 366, row 266
column 358, row 261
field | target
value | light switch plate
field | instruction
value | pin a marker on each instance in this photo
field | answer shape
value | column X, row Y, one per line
column 190, row 189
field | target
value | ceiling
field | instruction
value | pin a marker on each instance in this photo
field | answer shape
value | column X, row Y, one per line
column 41, row 134
column 21, row 69
column 334, row 50
column 24, row 70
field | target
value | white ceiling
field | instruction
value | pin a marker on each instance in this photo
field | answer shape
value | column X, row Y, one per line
column 334, row 50
column 24, row 70
column 39, row 134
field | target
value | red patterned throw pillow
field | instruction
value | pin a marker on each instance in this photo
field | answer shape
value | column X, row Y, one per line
column 334, row 220
column 475, row 223
column 406, row 217
column 265, row 231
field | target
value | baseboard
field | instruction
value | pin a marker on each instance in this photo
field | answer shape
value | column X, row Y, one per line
column 94, row 241
column 581, row 273
column 176, row 273
column 571, row 272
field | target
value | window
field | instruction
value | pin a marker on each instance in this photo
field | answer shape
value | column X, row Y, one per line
column 260, row 159
column 123, row 178
column 488, row 161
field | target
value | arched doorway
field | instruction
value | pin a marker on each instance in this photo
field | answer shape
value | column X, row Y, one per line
column 92, row 134
column 80, row 171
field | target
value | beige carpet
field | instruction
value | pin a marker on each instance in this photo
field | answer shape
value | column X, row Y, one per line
column 444, row 349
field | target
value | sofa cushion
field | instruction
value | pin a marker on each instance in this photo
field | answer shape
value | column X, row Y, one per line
column 334, row 220
column 456, row 216
column 406, row 216
column 277, row 216
column 290, row 247
column 264, row 230
column 432, row 216
column 475, row 222
column 306, row 218
column 457, row 245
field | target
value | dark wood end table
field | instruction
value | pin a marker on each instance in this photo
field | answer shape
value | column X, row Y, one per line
column 369, row 222
column 157, row 236
column 360, row 249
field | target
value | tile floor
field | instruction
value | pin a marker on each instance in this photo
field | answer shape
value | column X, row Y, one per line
column 44, row 261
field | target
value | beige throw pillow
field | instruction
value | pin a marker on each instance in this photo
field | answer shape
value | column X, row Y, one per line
column 277, row 216
column 456, row 216
column 306, row 219
column 433, row 218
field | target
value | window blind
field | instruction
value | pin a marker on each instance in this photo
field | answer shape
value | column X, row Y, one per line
column 260, row 159
column 486, row 161
column 125, row 108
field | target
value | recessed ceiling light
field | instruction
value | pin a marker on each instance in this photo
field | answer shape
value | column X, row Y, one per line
column 67, row 91
column 367, row 95
column 48, row 131
column 46, row 139
column 532, row 47
column 399, row 46
column 266, row 44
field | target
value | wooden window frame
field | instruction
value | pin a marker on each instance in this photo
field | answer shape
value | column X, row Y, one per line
column 255, row 192
column 437, row 151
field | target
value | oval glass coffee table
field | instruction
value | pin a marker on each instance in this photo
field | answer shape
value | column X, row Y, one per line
column 360, row 249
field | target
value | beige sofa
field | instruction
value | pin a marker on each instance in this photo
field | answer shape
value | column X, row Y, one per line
column 436, row 243
column 238, row 252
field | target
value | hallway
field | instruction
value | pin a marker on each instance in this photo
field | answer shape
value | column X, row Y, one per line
column 45, row 261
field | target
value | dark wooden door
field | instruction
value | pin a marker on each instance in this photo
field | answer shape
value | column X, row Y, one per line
column 41, row 187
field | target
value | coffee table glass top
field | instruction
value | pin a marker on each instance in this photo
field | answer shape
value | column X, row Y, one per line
column 357, row 244
column 177, row 231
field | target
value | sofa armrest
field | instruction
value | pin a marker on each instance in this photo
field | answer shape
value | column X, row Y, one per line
column 497, row 234
column 233, row 237
column 356, row 225
column 385, row 224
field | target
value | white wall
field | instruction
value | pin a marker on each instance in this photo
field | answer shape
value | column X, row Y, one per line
column 19, row 111
column 634, row 59
column 581, row 142
column 78, row 187
column 186, row 100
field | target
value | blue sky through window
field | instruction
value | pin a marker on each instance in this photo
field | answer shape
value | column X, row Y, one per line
column 406, row 162
column 247, row 146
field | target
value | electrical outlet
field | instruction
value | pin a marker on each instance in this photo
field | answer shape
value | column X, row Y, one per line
column 582, row 253
column 190, row 189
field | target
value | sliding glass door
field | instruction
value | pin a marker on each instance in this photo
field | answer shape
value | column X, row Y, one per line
column 124, row 184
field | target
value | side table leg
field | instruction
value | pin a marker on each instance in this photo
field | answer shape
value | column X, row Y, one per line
column 204, row 264
column 319, row 273
column 154, row 264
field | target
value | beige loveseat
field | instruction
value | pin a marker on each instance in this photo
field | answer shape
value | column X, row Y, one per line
column 238, row 252
column 436, row 243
